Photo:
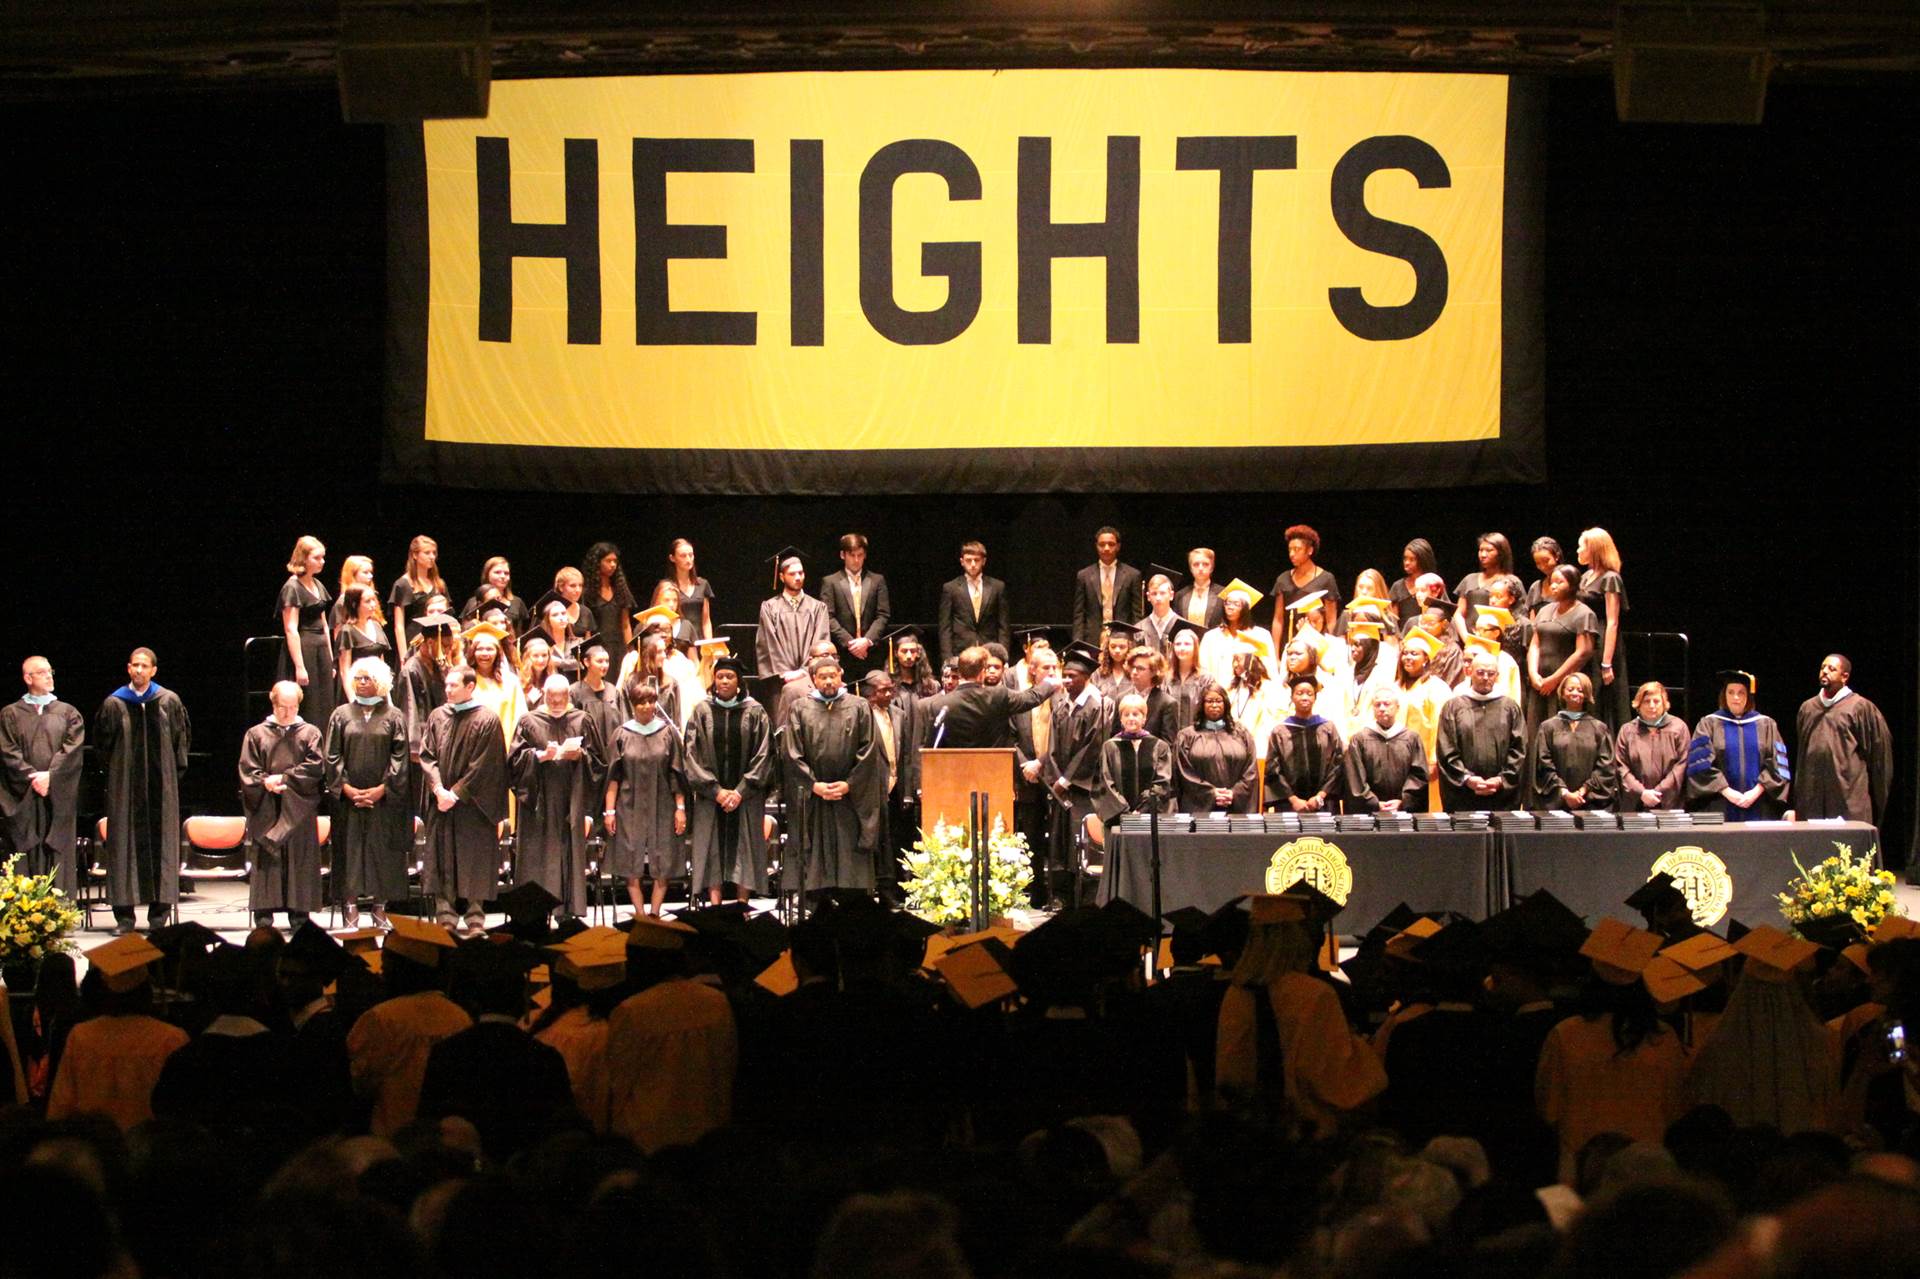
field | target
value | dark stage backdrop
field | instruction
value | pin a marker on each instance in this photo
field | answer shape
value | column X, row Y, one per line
column 193, row 378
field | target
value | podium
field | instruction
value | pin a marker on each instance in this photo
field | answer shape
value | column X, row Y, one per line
column 949, row 777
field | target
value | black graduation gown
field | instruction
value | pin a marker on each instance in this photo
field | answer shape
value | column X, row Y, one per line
column 514, row 1088
column 1187, row 694
column 283, row 831
column 608, row 710
column 144, row 744
column 49, row 740
column 1481, row 739
column 557, row 801
column 729, row 748
column 1304, row 759
column 316, row 648
column 648, row 768
column 833, row 742
column 1136, row 776
column 465, row 752
column 1570, row 754
column 1382, row 768
column 1210, row 759
column 1846, row 760
column 1073, row 757
column 367, row 747
column 420, row 691
column 788, row 629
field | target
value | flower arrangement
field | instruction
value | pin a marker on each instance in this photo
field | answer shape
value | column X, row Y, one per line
column 939, row 892
column 1841, row 898
column 35, row 917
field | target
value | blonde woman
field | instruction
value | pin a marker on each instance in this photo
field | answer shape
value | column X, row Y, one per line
column 355, row 570
column 1602, row 590
column 569, row 587
column 407, row 600
column 496, row 584
column 536, row 663
column 303, row 607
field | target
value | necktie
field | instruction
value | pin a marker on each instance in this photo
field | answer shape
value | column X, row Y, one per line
column 973, row 591
column 1197, row 607
column 856, row 597
column 1106, row 592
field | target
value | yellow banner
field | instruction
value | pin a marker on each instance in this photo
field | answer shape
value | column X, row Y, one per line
column 917, row 260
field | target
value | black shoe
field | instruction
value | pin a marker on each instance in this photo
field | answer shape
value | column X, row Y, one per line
column 123, row 926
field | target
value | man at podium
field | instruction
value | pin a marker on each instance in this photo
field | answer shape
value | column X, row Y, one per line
column 976, row 714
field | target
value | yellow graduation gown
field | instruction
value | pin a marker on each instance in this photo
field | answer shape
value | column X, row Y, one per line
column 1586, row 1086
column 1328, row 1069
column 671, row 1056
column 387, row 1049
column 110, row 1067
column 581, row 1040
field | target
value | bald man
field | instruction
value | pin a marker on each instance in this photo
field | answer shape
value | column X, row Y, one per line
column 41, row 748
column 283, row 767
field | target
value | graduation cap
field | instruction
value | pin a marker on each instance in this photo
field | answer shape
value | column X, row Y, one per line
column 1701, row 955
column 1029, row 636
column 1656, row 894
column 779, row 977
column 979, row 974
column 1174, row 576
column 1485, row 643
column 601, row 966
column 646, row 932
column 1619, row 951
column 658, row 615
column 361, row 941
column 1538, row 927
column 1423, row 642
column 1773, row 955
column 1670, row 982
column 1364, row 630
column 1738, row 677
column 1311, row 600
column 1493, row 613
column 528, row 908
column 1893, row 928
column 315, row 951
column 1080, row 656
column 1188, row 919
column 1198, row 632
column 1369, row 601
column 122, row 963
column 489, row 630
column 484, row 960
column 435, row 622
column 729, row 662
column 1460, row 946
column 188, row 936
column 1236, row 586
column 1118, row 627
column 779, row 561
column 1130, row 923
column 418, row 940
column 1405, row 943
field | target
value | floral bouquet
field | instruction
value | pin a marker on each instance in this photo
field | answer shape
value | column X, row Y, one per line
column 1839, row 900
column 940, row 866
column 35, row 917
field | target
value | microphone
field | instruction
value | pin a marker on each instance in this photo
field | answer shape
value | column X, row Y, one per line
column 939, row 727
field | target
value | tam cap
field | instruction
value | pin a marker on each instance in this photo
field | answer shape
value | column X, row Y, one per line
column 1738, row 677
column 729, row 662
column 122, row 962
column 418, row 940
column 649, row 933
column 1310, row 600
column 1670, row 982
column 1236, row 586
column 1772, row 954
column 1619, row 951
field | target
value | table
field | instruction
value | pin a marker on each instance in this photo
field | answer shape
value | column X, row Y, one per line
column 1430, row 872
column 1594, row 872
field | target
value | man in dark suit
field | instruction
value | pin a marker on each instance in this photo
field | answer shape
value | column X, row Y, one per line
column 899, row 751
column 977, row 714
column 973, row 606
column 857, row 608
column 1106, row 590
column 513, row 1088
column 1199, row 600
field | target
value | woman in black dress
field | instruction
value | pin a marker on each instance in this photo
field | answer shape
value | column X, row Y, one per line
column 362, row 633
column 607, row 592
column 1603, row 591
column 1496, row 560
column 496, row 584
column 1304, row 578
column 536, row 663
column 307, row 659
column 366, row 747
column 407, row 600
column 696, row 593
column 1547, row 556
column 355, row 570
column 1417, row 560
column 1214, row 762
column 1561, row 643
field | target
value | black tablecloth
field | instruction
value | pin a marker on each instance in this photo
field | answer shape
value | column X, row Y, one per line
column 1430, row 872
column 1595, row 871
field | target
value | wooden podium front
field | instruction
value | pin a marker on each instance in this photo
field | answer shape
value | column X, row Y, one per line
column 949, row 776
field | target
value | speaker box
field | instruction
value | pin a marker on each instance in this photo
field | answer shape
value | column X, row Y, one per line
column 428, row 60
column 1685, row 62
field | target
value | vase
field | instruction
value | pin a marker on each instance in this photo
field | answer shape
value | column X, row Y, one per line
column 20, row 977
